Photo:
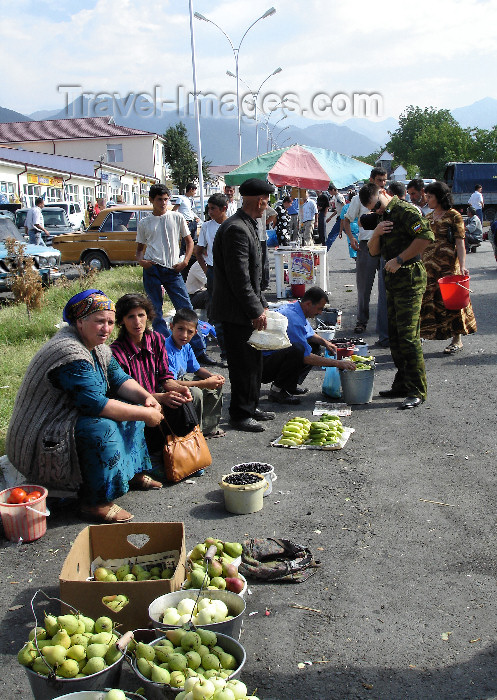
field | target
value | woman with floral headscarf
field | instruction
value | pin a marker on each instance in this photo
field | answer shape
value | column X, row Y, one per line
column 78, row 419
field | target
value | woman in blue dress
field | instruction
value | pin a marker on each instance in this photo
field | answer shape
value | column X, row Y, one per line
column 354, row 229
column 78, row 419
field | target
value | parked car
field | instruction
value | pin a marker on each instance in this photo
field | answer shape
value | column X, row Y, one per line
column 109, row 240
column 45, row 260
column 75, row 213
column 55, row 220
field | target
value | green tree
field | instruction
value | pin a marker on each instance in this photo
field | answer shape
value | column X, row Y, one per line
column 484, row 145
column 427, row 139
column 181, row 157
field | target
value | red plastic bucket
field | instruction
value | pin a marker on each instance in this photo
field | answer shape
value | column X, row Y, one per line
column 455, row 291
column 298, row 290
column 26, row 521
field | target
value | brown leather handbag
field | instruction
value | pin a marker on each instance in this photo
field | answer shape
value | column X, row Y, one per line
column 185, row 455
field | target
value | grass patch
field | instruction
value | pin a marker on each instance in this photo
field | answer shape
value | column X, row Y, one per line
column 21, row 337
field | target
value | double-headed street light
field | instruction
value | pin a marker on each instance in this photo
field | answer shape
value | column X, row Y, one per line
column 236, row 52
column 255, row 97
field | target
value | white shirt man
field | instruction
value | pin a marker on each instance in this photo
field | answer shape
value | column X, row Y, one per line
column 34, row 223
column 161, row 235
column 310, row 219
column 476, row 201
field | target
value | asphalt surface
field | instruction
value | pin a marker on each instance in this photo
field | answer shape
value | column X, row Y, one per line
column 406, row 591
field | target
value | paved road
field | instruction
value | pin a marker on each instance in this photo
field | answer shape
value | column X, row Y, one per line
column 398, row 573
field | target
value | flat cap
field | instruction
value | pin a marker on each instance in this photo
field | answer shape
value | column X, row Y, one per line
column 254, row 187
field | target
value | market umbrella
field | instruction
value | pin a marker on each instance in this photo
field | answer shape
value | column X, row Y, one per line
column 304, row 167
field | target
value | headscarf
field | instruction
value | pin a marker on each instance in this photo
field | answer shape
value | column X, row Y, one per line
column 85, row 303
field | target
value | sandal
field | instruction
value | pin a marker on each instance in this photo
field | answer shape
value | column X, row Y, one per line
column 107, row 514
column 144, row 482
column 219, row 432
column 452, row 349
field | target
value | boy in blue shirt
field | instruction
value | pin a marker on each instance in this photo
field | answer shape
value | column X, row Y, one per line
column 206, row 388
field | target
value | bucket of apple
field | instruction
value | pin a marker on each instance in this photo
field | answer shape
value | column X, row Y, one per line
column 69, row 653
column 172, row 666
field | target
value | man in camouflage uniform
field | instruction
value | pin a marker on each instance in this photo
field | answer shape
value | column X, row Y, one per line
column 401, row 237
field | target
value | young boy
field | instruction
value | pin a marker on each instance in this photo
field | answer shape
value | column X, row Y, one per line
column 206, row 388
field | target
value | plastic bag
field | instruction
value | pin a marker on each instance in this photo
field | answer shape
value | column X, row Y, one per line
column 274, row 337
column 332, row 385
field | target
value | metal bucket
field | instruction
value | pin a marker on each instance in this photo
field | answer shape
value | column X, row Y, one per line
column 234, row 602
column 96, row 695
column 357, row 387
column 45, row 688
column 157, row 691
column 331, row 317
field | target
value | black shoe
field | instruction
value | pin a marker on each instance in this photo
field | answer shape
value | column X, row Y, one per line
column 410, row 402
column 283, row 396
column 360, row 328
column 264, row 415
column 298, row 391
column 204, row 359
column 249, row 425
column 392, row 394
column 222, row 363
column 382, row 344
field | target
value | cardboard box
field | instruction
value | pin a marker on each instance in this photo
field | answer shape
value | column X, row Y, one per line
column 111, row 542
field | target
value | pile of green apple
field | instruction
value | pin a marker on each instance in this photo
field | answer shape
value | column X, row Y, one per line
column 218, row 574
column 362, row 362
column 206, row 612
column 136, row 572
column 73, row 646
column 192, row 661
column 326, row 431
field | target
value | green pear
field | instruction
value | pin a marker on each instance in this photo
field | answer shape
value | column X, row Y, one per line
column 207, row 637
column 203, row 650
column 88, row 622
column 27, row 654
column 175, row 635
column 76, row 652
column 211, row 673
column 190, row 641
column 160, row 675
column 193, row 659
column 136, row 569
column 198, row 552
column 155, row 571
column 143, row 576
column 123, row 599
column 38, row 632
column 44, row 643
column 197, row 579
column 103, row 624
column 113, row 654
column 55, row 655
column 51, row 625
column 177, row 679
column 101, row 638
column 96, row 650
column 110, row 578
column 122, row 572
column 94, row 665
column 215, row 568
column 144, row 651
column 68, row 669
column 162, row 653
column 40, row 666
column 164, row 643
column 210, row 661
column 234, row 549
column 228, row 661
column 167, row 573
column 129, row 577
column 79, row 639
column 177, row 662
column 144, row 667
column 218, row 582
column 62, row 638
column 115, row 694
column 101, row 573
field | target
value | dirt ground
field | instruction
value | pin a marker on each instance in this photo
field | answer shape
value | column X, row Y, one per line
column 402, row 520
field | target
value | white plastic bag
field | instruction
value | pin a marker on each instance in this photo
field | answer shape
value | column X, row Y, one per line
column 274, row 337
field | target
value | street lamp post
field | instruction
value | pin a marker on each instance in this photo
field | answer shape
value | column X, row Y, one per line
column 197, row 114
column 255, row 97
column 236, row 53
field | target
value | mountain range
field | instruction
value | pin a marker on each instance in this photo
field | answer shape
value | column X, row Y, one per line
column 355, row 136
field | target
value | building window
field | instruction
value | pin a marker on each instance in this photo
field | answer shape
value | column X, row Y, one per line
column 115, row 153
column 54, row 194
column 30, row 192
column 72, row 193
column 102, row 192
column 87, row 195
column 126, row 197
column 135, row 194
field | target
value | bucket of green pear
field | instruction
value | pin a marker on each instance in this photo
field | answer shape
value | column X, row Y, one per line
column 70, row 653
column 216, row 610
column 106, row 694
column 171, row 666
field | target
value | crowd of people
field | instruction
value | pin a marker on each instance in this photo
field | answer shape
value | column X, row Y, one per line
column 95, row 417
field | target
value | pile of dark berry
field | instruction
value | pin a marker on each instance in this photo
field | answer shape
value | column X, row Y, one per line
column 257, row 467
column 242, row 479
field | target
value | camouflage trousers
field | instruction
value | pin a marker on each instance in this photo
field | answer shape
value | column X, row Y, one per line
column 405, row 289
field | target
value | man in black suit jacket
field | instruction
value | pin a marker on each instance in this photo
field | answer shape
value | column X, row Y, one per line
column 239, row 304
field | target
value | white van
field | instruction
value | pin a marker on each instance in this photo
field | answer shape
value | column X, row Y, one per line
column 75, row 213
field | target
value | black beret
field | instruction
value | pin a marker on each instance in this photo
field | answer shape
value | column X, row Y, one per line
column 254, row 187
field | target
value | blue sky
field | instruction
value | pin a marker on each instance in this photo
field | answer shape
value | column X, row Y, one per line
column 437, row 55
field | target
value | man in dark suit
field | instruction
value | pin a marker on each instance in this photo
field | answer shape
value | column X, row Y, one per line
column 239, row 304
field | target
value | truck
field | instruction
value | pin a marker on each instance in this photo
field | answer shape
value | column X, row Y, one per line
column 462, row 178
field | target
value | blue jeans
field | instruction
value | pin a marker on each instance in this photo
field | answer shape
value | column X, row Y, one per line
column 35, row 237
column 156, row 277
column 333, row 234
column 479, row 214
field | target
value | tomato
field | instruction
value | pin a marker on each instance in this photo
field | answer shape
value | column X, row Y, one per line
column 30, row 497
column 17, row 495
column 35, row 493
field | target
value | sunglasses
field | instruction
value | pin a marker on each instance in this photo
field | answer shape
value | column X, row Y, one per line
column 376, row 206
